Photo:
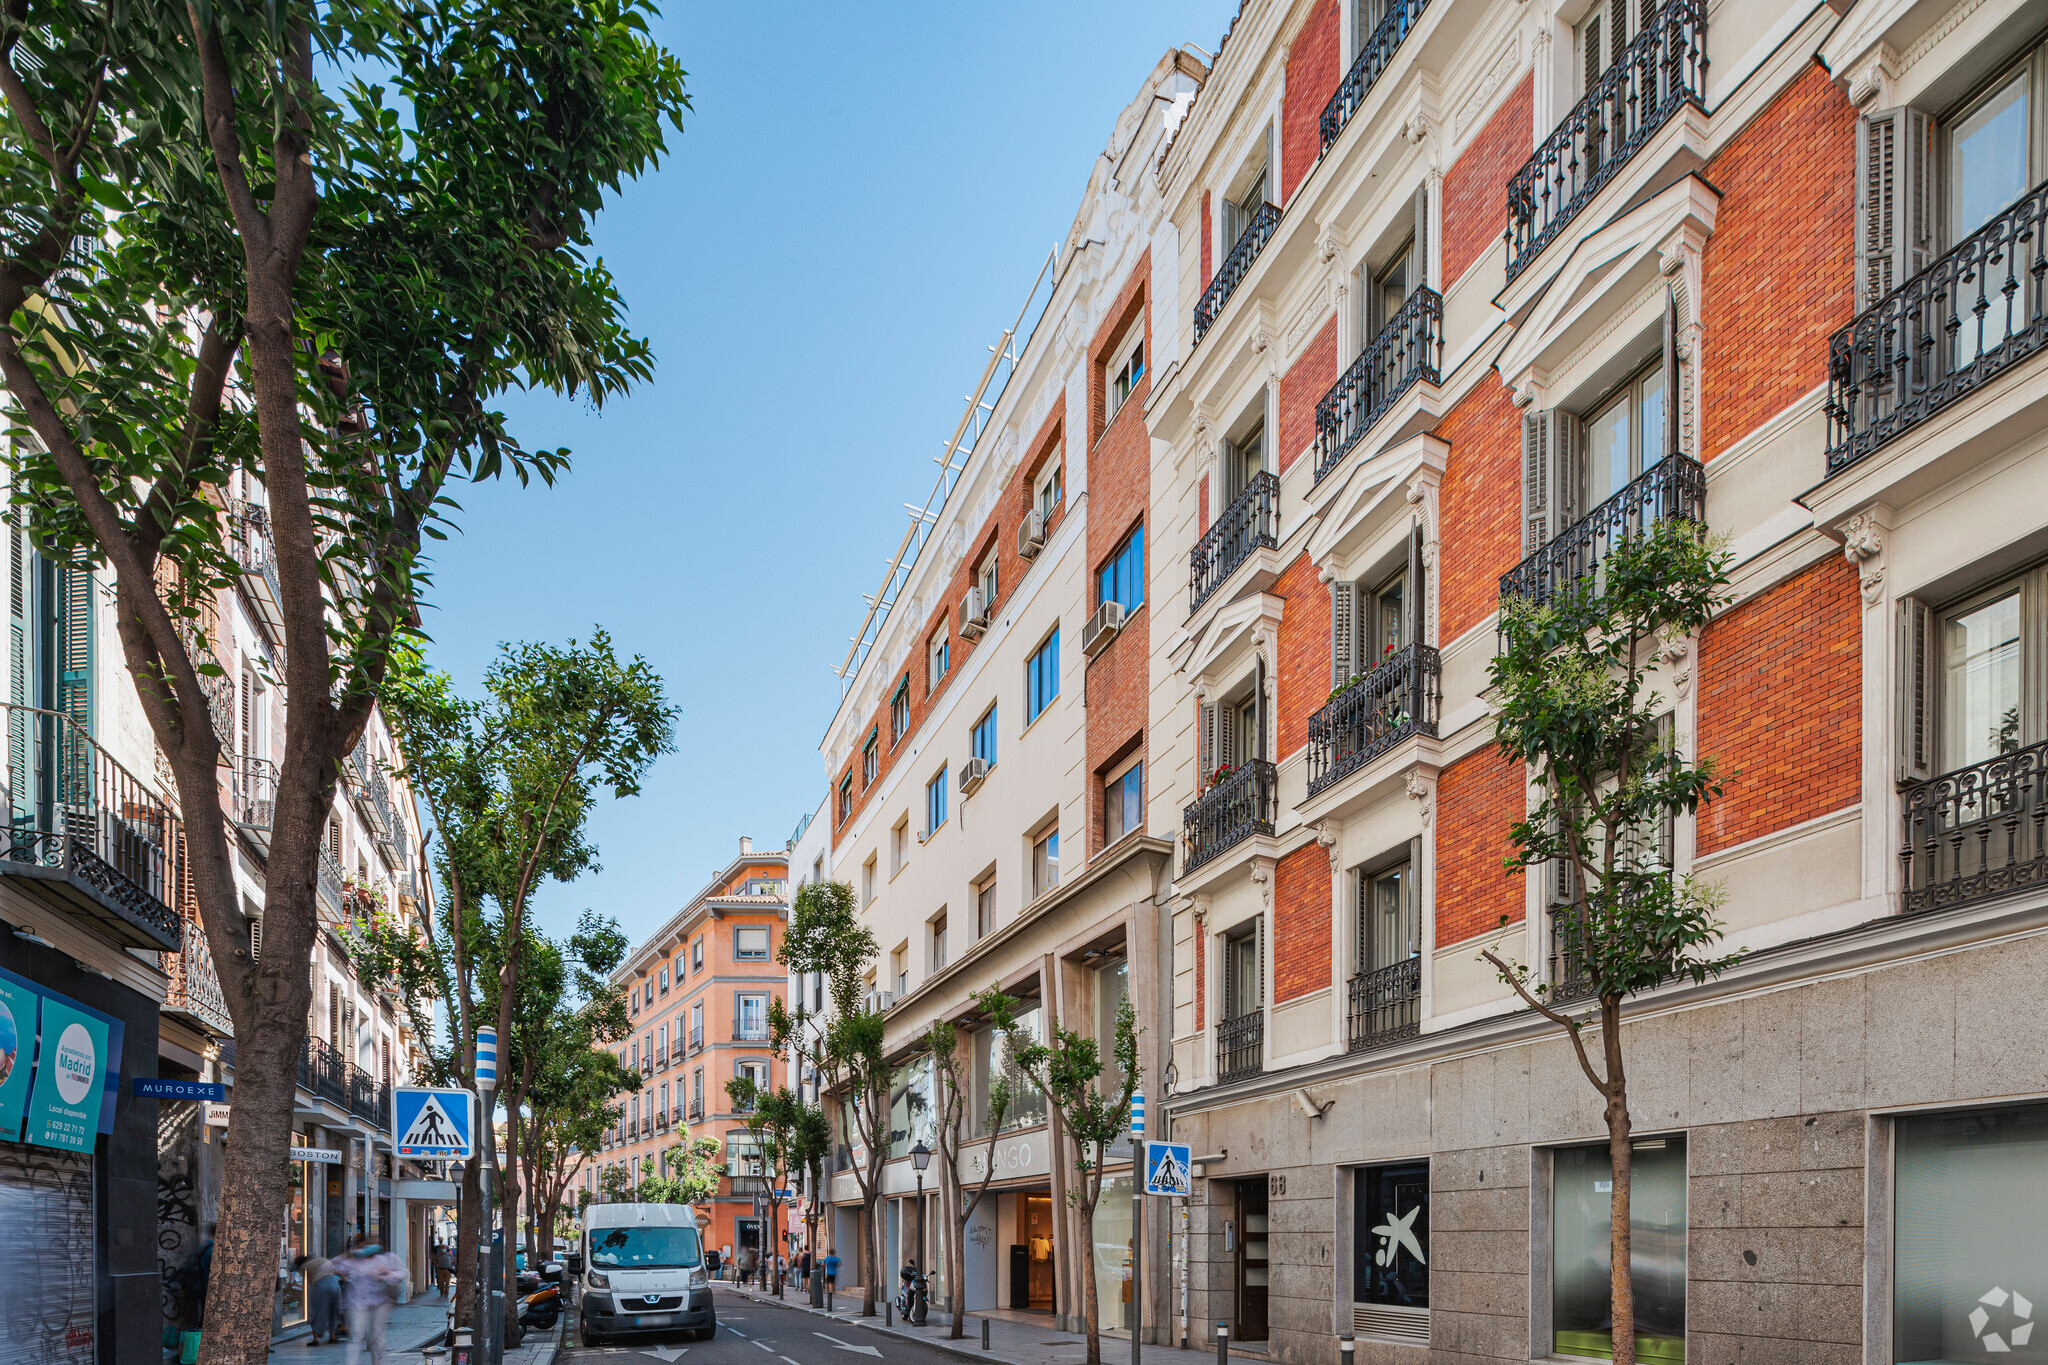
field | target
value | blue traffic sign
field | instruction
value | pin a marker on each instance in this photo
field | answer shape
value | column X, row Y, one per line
column 434, row 1123
column 1168, row 1169
column 149, row 1088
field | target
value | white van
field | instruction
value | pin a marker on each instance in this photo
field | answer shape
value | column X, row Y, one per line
column 643, row 1271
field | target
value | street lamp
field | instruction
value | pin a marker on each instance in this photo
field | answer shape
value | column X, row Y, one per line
column 921, row 1157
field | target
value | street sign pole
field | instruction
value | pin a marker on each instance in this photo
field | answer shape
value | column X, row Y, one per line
column 1137, row 1221
column 490, row 1252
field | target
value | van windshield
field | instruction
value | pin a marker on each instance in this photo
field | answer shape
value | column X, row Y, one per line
column 644, row 1248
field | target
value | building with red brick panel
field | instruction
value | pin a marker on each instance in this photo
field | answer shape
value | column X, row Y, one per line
column 991, row 760
column 698, row 992
column 1465, row 291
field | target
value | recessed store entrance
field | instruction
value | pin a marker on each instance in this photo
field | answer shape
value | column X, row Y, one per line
column 1252, row 1266
column 1025, row 1235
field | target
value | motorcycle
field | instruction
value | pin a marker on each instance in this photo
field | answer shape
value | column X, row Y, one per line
column 541, row 1309
column 912, row 1301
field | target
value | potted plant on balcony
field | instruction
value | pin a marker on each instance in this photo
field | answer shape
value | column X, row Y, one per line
column 1223, row 770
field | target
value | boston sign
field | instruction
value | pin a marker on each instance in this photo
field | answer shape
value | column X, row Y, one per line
column 60, row 1065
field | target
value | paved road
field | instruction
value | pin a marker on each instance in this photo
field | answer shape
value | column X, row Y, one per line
column 760, row 1334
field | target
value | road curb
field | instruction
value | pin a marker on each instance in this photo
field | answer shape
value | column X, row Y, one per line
column 958, row 1348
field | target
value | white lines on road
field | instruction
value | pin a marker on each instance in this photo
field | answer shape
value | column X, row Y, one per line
column 791, row 1362
column 849, row 1346
column 766, row 1347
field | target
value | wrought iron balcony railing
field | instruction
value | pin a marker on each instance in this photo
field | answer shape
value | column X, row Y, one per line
column 1385, row 1005
column 193, row 989
column 1570, row 976
column 1977, row 833
column 249, row 540
column 1407, row 351
column 85, row 835
column 1241, row 1046
column 1660, row 72
column 255, row 794
column 1673, row 488
column 1980, row 308
column 330, row 884
column 1397, row 699
column 1241, row 805
column 1251, row 522
column 1374, row 56
column 697, row 1039
column 696, row 1110
column 749, row 1033
column 1235, row 266
column 323, row 1071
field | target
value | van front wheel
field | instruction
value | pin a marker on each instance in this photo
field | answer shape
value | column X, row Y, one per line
column 584, row 1336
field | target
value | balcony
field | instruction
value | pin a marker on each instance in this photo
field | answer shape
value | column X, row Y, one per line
column 1570, row 975
column 255, row 553
column 1674, row 487
column 1977, row 833
column 86, row 837
column 1659, row 73
column 1407, row 351
column 1230, row 274
column 1374, row 713
column 696, row 1111
column 1374, row 57
column 1241, row 805
column 1974, row 313
column 697, row 1039
column 329, row 885
column 749, row 1033
column 646, row 1127
column 255, row 798
column 193, row 991
column 1385, row 1005
column 323, row 1071
column 1240, row 1047
column 1250, row 523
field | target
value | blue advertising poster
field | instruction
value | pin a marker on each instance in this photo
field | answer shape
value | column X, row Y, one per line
column 18, row 1011
column 71, row 1078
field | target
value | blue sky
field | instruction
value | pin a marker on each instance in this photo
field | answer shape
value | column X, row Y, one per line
column 854, row 211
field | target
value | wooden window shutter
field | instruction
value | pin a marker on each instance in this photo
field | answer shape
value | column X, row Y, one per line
column 1536, row 459
column 1229, row 1010
column 1259, row 722
column 1418, row 608
column 1590, row 41
column 1617, row 29
column 1207, row 741
column 1361, row 886
column 1421, row 258
column 1259, row 955
column 256, row 940
column 1226, row 738
column 1411, row 887
column 248, row 717
column 1343, row 631
column 1669, row 438
column 1567, row 472
column 1916, row 701
column 1667, row 824
column 1894, row 200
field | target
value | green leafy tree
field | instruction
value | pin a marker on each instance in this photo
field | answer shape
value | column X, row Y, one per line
column 1572, row 682
column 320, row 288
column 688, row 1173
column 845, row 1044
column 946, row 1046
column 509, row 782
column 1067, row 1069
column 785, row 1137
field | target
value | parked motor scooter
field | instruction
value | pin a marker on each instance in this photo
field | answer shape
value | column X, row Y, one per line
column 911, row 1301
column 542, row 1308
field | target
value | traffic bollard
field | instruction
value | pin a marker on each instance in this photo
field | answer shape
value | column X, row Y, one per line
column 984, row 1334
column 888, row 1312
column 1347, row 1350
column 828, row 1302
column 1222, row 1344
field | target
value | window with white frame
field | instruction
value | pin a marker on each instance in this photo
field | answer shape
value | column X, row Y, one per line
column 1126, row 366
column 867, row 881
column 750, row 944
column 982, row 742
column 1045, row 862
column 871, row 758
column 899, row 971
column 899, row 845
column 938, row 932
column 1042, row 677
column 899, row 710
column 938, row 658
column 1242, row 203
column 1050, row 488
column 697, row 954
column 1121, row 578
column 987, row 580
column 985, row 906
column 1123, row 801
column 752, row 1017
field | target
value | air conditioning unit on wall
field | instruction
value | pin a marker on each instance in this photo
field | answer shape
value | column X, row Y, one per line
column 973, row 615
column 1031, row 534
column 972, row 774
column 1102, row 627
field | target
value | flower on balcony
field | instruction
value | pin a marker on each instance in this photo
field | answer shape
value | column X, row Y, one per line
column 1222, row 771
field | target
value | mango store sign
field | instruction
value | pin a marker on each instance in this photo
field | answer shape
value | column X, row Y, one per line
column 60, row 1063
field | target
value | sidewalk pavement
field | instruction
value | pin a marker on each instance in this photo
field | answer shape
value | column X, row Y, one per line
column 414, row 1325
column 1010, row 1340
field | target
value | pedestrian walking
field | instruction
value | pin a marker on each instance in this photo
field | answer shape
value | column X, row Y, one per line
column 375, row 1278
column 803, row 1269
column 323, row 1297
column 831, row 1270
column 444, row 1266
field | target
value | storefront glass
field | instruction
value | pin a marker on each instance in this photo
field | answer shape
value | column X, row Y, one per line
column 47, row 1314
column 1113, row 1252
column 1390, row 1236
column 992, row 1055
column 1582, row 1194
column 294, row 1242
column 1970, row 1236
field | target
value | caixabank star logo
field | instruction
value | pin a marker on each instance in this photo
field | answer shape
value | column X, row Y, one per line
column 2002, row 1320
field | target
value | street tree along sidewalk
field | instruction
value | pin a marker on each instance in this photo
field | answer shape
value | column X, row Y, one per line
column 687, row 1173
column 332, row 298
column 1572, row 684
column 509, row 783
column 1067, row 1068
column 945, row 1043
column 788, row 1136
column 826, row 936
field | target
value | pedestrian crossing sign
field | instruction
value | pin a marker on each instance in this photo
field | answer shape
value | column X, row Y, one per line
column 1167, row 1169
column 434, row 1123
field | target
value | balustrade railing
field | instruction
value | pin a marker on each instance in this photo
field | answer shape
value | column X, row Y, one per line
column 73, row 808
column 1374, row 713
column 255, row 792
column 697, row 1039
column 323, row 1071
column 1251, row 522
column 1241, row 805
column 1570, row 975
column 193, row 986
column 1980, row 308
column 1660, row 72
column 255, row 551
column 1240, row 1046
column 1374, row 56
column 1407, row 351
column 1385, row 1005
column 1673, row 488
column 330, row 883
column 1235, row 266
column 1977, row 833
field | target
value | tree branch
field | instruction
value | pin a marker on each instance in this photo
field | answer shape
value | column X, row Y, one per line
column 1571, row 1029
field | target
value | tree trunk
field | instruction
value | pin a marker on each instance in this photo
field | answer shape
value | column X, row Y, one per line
column 871, row 1242
column 1091, row 1310
column 1621, row 1273
column 957, row 1213
column 468, row 1218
